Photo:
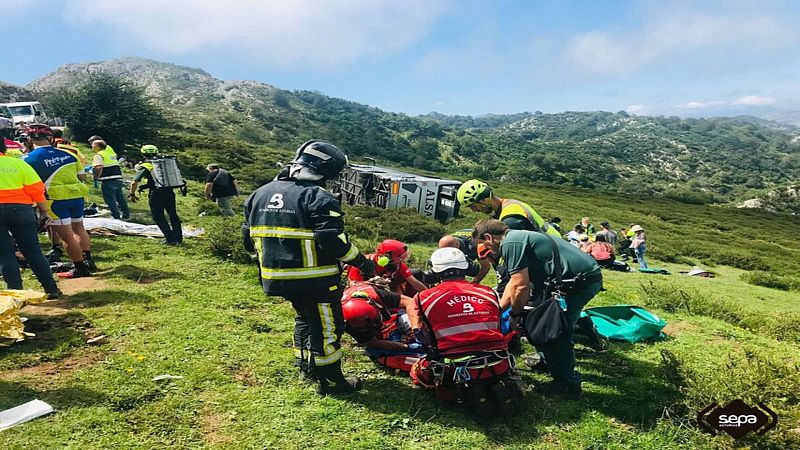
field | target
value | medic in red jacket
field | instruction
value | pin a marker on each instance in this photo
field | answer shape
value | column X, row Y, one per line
column 389, row 259
column 461, row 317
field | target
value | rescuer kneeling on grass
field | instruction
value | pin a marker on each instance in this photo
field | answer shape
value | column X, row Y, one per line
column 461, row 321
column 390, row 263
column 532, row 258
column 296, row 228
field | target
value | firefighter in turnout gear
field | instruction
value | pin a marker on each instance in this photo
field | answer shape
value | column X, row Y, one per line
column 296, row 228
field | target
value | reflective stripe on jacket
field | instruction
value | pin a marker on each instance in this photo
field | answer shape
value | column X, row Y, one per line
column 512, row 207
column 111, row 168
column 298, row 233
column 463, row 317
column 19, row 183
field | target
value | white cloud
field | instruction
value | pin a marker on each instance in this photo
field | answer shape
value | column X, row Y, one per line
column 754, row 100
column 700, row 105
column 636, row 109
column 285, row 33
column 675, row 35
column 747, row 100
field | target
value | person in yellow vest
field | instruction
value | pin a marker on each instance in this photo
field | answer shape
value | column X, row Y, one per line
column 478, row 196
column 20, row 188
column 15, row 153
column 160, row 198
column 108, row 172
column 70, row 148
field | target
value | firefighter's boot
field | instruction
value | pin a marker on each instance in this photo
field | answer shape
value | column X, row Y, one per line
column 331, row 380
column 304, row 365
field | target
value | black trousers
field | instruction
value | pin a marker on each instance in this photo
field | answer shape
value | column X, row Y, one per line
column 162, row 200
column 318, row 327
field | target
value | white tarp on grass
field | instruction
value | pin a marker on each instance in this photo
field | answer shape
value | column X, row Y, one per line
column 104, row 225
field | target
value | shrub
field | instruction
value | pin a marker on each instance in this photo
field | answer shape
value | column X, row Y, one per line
column 224, row 239
column 112, row 107
column 740, row 261
column 690, row 197
column 770, row 280
column 376, row 224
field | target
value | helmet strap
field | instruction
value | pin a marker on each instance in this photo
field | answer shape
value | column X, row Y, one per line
column 452, row 274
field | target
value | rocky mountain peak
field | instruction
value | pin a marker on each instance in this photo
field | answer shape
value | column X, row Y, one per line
column 12, row 93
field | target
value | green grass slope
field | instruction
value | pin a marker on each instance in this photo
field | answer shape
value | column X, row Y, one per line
column 188, row 312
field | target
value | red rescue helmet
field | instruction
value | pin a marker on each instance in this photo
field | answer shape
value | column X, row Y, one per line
column 395, row 250
column 360, row 314
column 38, row 130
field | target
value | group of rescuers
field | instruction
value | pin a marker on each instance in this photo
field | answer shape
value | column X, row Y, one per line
column 449, row 333
column 50, row 175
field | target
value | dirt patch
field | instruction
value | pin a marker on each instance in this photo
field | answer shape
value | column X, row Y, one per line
column 246, row 377
column 77, row 285
column 61, row 367
column 141, row 275
column 213, row 424
column 54, row 322
column 674, row 329
column 45, row 309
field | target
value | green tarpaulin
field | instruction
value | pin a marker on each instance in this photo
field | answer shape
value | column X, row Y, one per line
column 626, row 323
column 654, row 270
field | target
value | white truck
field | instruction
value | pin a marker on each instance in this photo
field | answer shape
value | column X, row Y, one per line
column 28, row 112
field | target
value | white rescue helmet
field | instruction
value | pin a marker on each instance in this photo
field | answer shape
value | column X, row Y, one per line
column 448, row 258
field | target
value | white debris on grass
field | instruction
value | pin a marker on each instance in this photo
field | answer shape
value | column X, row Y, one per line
column 23, row 413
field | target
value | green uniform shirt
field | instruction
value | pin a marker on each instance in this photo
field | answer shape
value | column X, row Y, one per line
column 523, row 249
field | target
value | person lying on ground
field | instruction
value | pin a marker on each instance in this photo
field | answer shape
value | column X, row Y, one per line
column 382, row 322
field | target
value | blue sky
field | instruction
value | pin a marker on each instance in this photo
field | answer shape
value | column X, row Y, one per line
column 455, row 57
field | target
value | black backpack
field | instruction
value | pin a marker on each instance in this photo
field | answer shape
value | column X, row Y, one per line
column 547, row 322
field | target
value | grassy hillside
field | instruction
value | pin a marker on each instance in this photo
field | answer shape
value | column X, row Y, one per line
column 697, row 160
column 183, row 311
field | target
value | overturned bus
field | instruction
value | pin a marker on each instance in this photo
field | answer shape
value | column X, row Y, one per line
column 389, row 188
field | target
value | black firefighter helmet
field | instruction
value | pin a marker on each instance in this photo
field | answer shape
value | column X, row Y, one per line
column 323, row 158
